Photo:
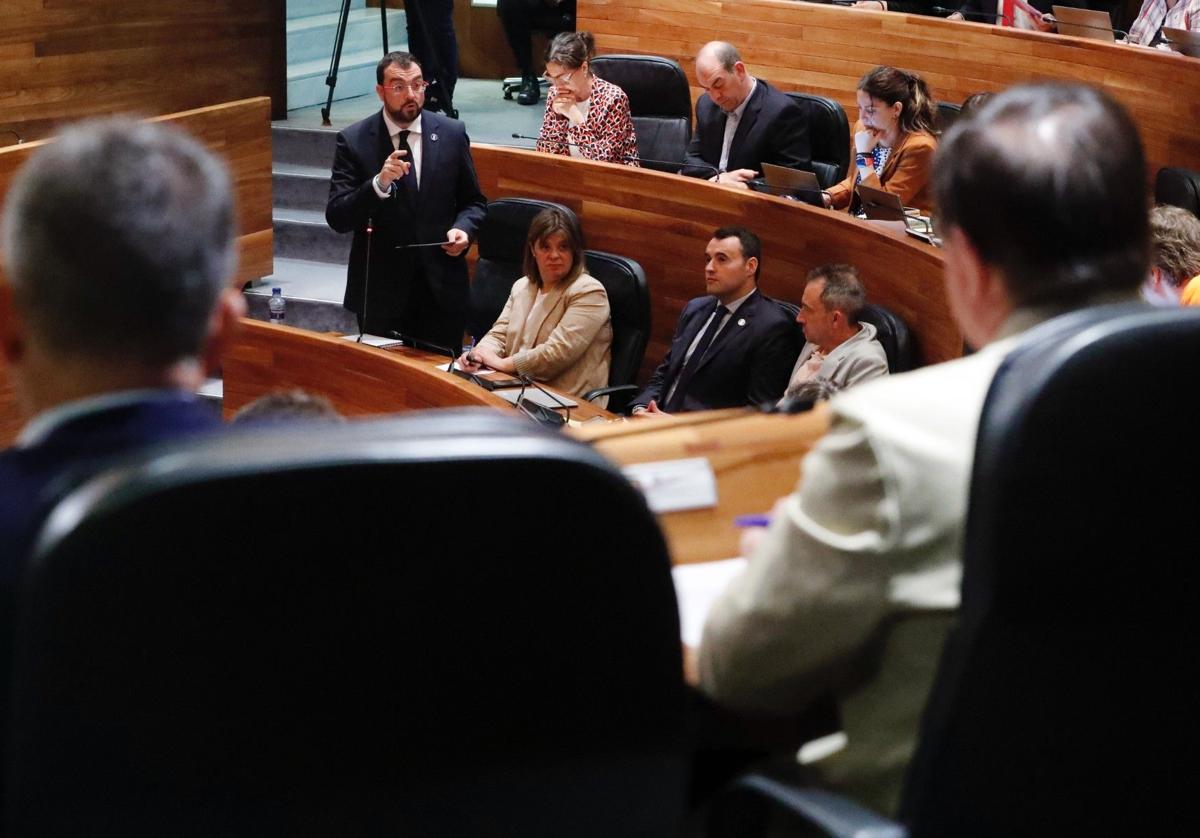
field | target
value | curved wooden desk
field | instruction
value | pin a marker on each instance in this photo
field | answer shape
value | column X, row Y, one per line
column 664, row 221
column 826, row 49
column 755, row 458
column 359, row 380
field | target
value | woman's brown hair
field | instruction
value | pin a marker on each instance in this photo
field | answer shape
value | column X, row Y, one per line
column 549, row 222
column 889, row 85
column 571, row 49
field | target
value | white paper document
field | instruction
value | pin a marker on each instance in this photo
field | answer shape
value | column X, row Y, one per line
column 675, row 485
column 697, row 587
column 374, row 340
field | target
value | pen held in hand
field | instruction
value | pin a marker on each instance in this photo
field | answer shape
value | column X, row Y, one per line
column 423, row 244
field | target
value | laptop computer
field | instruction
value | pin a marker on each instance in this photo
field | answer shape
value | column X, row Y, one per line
column 881, row 205
column 1183, row 41
column 1083, row 23
column 796, row 184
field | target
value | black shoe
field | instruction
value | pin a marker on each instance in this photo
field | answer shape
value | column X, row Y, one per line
column 530, row 91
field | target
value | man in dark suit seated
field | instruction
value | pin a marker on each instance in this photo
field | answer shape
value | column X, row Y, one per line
column 118, row 244
column 118, row 241
column 742, row 122
column 408, row 174
column 732, row 347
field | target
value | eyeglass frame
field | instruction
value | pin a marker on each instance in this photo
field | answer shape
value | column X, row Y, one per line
column 414, row 87
column 563, row 78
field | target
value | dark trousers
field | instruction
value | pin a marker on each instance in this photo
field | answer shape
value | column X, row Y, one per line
column 521, row 17
column 421, row 316
column 437, row 55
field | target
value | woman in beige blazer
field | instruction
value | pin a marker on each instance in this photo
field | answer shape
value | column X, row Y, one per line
column 555, row 326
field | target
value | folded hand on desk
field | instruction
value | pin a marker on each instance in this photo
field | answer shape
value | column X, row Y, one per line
column 484, row 356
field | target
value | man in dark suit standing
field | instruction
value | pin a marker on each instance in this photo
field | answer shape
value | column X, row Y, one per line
column 742, row 122
column 406, row 175
column 732, row 347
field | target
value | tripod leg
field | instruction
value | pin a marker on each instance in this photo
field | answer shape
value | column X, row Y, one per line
column 336, row 60
column 383, row 24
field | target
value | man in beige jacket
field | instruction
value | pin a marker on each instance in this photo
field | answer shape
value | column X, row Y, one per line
column 853, row 586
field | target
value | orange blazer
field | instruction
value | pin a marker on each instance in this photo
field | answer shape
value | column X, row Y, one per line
column 906, row 172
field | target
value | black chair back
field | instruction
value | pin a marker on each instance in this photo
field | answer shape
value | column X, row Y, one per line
column 292, row 632
column 501, row 258
column 659, row 102
column 629, row 301
column 792, row 311
column 893, row 334
column 1066, row 697
column 1178, row 187
column 829, row 135
column 948, row 113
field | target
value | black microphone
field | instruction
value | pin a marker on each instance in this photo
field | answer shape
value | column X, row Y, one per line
column 409, row 340
column 527, row 380
column 679, row 163
column 362, row 326
column 992, row 16
column 1112, row 29
column 14, row 133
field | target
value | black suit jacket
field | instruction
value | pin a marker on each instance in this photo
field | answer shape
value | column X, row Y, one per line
column 749, row 362
column 774, row 129
column 34, row 478
column 449, row 197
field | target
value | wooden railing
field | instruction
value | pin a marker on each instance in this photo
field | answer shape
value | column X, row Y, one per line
column 664, row 222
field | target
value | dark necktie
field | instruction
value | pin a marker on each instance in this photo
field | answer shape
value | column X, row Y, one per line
column 409, row 182
column 692, row 363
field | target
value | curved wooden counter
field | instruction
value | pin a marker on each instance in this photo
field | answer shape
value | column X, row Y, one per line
column 826, row 49
column 755, row 458
column 664, row 221
column 359, row 380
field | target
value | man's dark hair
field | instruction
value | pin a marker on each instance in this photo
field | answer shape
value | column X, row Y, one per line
column 403, row 60
column 118, row 238
column 751, row 245
column 843, row 289
column 1048, row 183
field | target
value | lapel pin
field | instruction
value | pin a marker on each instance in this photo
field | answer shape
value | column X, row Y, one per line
column 742, row 321
column 433, row 138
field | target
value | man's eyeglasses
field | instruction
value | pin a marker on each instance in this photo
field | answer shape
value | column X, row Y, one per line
column 412, row 87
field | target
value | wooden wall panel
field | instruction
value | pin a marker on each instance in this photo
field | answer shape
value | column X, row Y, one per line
column 664, row 222
column 826, row 49
column 66, row 59
column 240, row 132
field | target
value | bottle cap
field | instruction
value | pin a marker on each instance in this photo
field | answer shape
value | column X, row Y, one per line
column 276, row 290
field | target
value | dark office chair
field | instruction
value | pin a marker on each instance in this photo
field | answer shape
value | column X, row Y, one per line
column 948, row 113
column 328, row 631
column 1178, row 187
column 629, row 301
column 1065, row 697
column 893, row 333
column 829, row 136
column 501, row 258
column 659, row 102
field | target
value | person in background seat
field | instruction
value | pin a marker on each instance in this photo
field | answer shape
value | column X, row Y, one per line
column 893, row 140
column 556, row 326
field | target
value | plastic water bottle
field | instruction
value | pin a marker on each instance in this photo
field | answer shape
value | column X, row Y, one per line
column 277, row 305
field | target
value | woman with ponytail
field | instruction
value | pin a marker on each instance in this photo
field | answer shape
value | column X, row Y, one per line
column 893, row 140
column 585, row 115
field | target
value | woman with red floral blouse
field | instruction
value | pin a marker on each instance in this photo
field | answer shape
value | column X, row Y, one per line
column 585, row 116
